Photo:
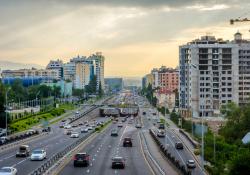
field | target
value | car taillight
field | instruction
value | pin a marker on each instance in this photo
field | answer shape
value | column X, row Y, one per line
column 87, row 157
column 74, row 158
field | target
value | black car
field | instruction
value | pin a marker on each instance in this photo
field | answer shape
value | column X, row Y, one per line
column 127, row 142
column 114, row 133
column 118, row 162
column 143, row 113
column 178, row 145
column 24, row 151
column 47, row 129
column 81, row 159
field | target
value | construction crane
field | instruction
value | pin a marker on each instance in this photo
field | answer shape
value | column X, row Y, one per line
column 232, row 21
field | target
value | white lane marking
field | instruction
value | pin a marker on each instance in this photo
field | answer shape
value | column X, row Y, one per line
column 175, row 150
column 122, row 135
column 7, row 157
column 19, row 162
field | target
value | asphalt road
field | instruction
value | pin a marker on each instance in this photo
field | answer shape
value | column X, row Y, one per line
column 54, row 142
column 169, row 141
column 104, row 147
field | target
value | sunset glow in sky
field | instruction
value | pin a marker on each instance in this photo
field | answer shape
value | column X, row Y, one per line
column 134, row 35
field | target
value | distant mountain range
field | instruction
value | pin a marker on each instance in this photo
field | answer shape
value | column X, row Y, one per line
column 8, row 65
column 132, row 81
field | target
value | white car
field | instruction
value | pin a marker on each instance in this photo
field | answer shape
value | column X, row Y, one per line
column 74, row 135
column 8, row 171
column 77, row 112
column 67, row 126
column 38, row 154
column 90, row 128
column 84, row 130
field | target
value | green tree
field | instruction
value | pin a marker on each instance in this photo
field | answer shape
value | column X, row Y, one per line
column 2, row 103
column 78, row 93
column 91, row 87
column 18, row 92
column 240, row 164
column 100, row 91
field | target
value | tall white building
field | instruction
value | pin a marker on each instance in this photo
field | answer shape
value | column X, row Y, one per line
column 155, row 74
column 98, row 59
column 69, row 70
column 213, row 72
column 82, row 75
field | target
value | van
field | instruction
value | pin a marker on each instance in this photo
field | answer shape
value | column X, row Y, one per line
column 24, row 151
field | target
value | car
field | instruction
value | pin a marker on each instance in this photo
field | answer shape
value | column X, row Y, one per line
column 84, row 130
column 118, row 162
column 63, row 120
column 74, row 125
column 87, row 124
column 130, row 122
column 74, row 135
column 154, row 113
column 124, row 120
column 61, row 126
column 8, row 171
column 143, row 113
column 81, row 159
column 47, row 129
column 67, row 126
column 161, row 133
column 90, row 128
column 127, row 142
column 138, row 125
column 190, row 164
column 161, row 126
column 23, row 151
column 38, row 154
column 80, row 123
column 77, row 112
column 178, row 145
column 114, row 132
column 3, row 140
column 120, row 125
column 68, row 132
column 30, row 131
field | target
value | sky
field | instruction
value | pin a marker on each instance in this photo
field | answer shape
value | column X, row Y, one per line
column 133, row 35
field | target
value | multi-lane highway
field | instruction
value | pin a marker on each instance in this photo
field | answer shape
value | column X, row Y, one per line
column 53, row 142
column 144, row 157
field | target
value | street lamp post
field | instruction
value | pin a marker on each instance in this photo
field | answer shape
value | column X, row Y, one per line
column 202, row 126
column 202, row 137
column 6, row 115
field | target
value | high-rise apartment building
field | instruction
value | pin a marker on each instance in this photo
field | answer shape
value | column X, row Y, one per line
column 82, row 75
column 168, row 79
column 56, row 65
column 213, row 72
column 98, row 59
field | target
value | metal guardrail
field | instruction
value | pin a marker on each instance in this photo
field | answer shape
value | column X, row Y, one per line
column 169, row 156
column 195, row 144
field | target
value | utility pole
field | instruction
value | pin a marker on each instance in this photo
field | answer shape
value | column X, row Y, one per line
column 6, row 108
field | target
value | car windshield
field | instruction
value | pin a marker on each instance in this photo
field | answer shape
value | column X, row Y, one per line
column 117, row 159
column 37, row 152
column 81, row 155
column 22, row 148
column 5, row 170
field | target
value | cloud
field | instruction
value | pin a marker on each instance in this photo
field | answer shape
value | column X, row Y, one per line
column 208, row 8
column 137, row 34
